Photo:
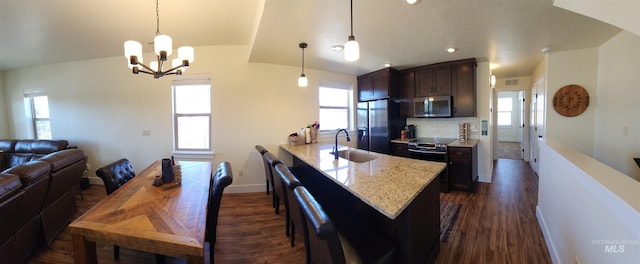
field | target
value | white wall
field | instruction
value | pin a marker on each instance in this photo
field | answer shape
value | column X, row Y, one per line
column 4, row 124
column 100, row 106
column 617, row 129
column 586, row 208
column 572, row 67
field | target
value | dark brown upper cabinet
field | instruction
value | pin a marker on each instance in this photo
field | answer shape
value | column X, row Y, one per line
column 451, row 78
column 463, row 89
column 433, row 81
column 406, row 92
column 381, row 84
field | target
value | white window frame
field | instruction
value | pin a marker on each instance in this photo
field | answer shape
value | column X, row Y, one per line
column 187, row 80
column 349, row 107
column 510, row 112
column 30, row 107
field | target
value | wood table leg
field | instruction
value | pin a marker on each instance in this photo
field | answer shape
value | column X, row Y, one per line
column 84, row 251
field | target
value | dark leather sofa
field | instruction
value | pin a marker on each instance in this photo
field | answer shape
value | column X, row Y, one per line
column 38, row 182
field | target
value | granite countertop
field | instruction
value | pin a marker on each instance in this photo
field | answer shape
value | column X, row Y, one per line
column 387, row 183
column 469, row 143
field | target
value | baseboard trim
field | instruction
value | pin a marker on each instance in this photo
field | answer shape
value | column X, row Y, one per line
column 547, row 236
column 248, row 188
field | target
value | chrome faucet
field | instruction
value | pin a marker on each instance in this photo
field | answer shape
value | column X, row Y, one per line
column 335, row 148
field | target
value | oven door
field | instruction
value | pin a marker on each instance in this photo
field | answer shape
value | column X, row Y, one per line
column 428, row 155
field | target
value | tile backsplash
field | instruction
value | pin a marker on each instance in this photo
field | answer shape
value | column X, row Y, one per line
column 444, row 127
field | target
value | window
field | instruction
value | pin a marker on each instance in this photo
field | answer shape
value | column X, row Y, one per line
column 38, row 107
column 335, row 106
column 505, row 111
column 192, row 114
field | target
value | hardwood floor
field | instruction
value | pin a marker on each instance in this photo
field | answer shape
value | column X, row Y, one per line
column 496, row 224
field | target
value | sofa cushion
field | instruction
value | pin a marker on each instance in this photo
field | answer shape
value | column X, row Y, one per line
column 48, row 146
column 19, row 158
column 30, row 171
column 9, row 184
column 7, row 145
column 23, row 146
column 63, row 158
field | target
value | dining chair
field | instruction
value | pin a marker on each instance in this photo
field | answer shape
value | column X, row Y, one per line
column 114, row 175
column 326, row 245
column 222, row 178
column 270, row 162
column 269, row 181
column 290, row 182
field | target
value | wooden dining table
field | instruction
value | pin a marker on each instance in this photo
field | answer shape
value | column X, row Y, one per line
column 169, row 219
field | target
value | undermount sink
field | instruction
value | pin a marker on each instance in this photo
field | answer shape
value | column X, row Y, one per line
column 354, row 156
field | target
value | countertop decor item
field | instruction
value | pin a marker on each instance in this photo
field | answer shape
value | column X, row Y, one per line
column 571, row 100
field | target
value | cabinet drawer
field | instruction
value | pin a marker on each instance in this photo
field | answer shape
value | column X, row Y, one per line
column 459, row 153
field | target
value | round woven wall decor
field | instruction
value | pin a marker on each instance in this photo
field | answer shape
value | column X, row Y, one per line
column 571, row 100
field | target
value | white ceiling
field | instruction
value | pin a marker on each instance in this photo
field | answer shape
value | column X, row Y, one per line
column 508, row 33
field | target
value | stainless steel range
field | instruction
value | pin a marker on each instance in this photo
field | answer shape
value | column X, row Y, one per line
column 432, row 149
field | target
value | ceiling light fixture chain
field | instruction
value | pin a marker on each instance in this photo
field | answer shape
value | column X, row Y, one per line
column 163, row 48
column 157, row 19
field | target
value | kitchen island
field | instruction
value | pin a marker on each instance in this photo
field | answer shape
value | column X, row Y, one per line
column 394, row 197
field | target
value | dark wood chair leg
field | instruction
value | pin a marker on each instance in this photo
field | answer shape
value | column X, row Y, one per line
column 160, row 259
column 293, row 235
column 116, row 252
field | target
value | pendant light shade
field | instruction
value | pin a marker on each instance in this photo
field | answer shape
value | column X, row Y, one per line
column 302, row 80
column 351, row 48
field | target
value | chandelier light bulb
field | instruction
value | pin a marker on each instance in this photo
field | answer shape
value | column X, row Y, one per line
column 132, row 48
column 185, row 53
column 163, row 43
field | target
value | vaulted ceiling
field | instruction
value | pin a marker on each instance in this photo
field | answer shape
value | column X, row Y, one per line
column 508, row 34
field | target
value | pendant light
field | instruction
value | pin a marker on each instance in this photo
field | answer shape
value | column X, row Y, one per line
column 351, row 48
column 302, row 80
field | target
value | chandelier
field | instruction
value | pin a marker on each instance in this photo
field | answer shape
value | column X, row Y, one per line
column 163, row 48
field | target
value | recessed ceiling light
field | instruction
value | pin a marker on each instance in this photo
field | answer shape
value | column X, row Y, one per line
column 545, row 49
column 451, row 50
column 412, row 2
column 387, row 65
column 337, row 47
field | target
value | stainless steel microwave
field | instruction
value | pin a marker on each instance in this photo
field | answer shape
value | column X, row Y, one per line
column 435, row 106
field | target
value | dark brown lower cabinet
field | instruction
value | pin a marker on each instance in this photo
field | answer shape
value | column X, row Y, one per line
column 463, row 167
column 400, row 150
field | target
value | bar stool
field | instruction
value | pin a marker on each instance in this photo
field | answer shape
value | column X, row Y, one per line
column 290, row 182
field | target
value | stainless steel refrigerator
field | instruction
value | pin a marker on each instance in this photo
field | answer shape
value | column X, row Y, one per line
column 378, row 123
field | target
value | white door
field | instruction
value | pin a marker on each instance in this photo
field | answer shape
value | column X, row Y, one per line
column 537, row 121
column 522, row 126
